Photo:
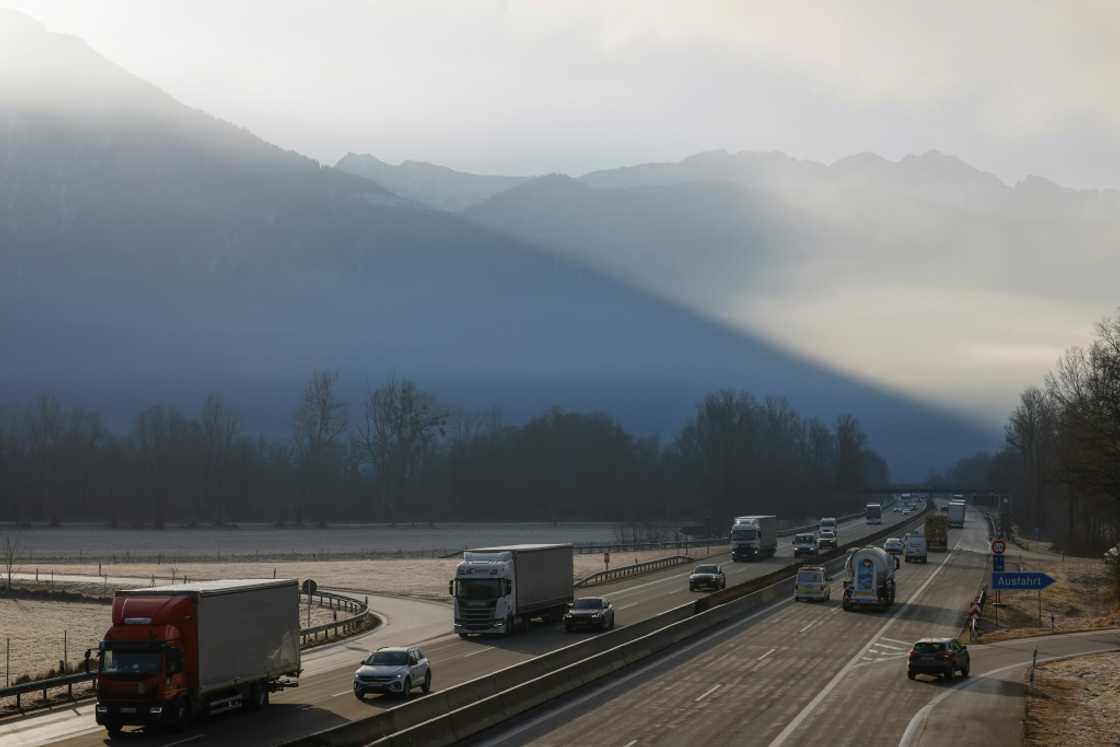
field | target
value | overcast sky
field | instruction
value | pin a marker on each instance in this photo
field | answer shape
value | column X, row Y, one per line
column 519, row 87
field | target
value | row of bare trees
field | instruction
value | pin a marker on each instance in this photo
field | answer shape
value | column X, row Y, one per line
column 402, row 455
column 1061, row 458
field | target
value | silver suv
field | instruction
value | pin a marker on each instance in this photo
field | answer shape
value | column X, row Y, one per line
column 393, row 669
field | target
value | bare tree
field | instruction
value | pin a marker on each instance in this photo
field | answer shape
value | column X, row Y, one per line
column 10, row 550
column 220, row 430
column 396, row 435
column 319, row 421
column 46, row 426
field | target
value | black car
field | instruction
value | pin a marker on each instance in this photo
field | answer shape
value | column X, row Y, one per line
column 589, row 612
column 707, row 577
column 941, row 657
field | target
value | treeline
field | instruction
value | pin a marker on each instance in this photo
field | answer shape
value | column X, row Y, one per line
column 401, row 455
column 1060, row 462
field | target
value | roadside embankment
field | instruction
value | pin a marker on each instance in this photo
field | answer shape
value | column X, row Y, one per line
column 1075, row 701
column 1083, row 597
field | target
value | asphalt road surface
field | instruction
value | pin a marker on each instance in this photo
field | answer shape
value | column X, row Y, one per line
column 324, row 697
column 795, row 674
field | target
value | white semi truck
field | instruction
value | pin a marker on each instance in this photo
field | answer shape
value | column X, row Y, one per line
column 499, row 589
column 956, row 514
column 754, row 537
column 869, row 579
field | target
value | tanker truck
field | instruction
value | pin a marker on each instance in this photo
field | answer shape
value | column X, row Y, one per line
column 869, row 579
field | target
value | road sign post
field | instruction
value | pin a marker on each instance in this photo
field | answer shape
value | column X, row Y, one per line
column 997, row 564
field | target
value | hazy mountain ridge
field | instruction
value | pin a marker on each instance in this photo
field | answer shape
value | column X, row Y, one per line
column 431, row 184
column 153, row 252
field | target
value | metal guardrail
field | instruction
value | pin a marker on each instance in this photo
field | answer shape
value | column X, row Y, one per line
column 347, row 625
column 636, row 569
column 67, row 680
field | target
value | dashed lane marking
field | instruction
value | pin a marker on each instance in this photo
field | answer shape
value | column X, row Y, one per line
column 344, row 692
column 708, row 692
column 184, row 741
column 767, row 654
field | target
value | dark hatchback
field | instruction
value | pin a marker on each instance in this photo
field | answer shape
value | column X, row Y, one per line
column 941, row 657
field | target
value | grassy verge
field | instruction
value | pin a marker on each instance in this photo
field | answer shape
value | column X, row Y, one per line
column 1076, row 701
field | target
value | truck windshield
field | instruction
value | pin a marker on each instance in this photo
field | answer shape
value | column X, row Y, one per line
column 874, row 512
column 743, row 534
column 129, row 662
column 479, row 588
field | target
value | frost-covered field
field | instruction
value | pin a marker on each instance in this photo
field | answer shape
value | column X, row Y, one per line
column 37, row 630
column 79, row 543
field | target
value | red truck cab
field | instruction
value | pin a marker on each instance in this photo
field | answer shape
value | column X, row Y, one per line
column 144, row 673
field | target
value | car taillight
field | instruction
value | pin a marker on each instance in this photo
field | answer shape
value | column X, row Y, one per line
column 945, row 655
column 913, row 654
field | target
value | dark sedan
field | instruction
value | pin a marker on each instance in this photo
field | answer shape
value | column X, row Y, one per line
column 589, row 612
column 707, row 577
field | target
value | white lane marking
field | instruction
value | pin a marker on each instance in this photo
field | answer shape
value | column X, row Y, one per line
column 918, row 722
column 475, row 653
column 767, row 654
column 890, row 648
column 631, row 743
column 812, row 705
column 834, row 611
column 184, row 741
column 708, row 692
column 626, row 606
column 808, row 626
column 509, row 736
column 895, row 640
column 344, row 692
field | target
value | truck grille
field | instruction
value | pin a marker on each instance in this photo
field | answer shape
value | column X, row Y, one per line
column 480, row 615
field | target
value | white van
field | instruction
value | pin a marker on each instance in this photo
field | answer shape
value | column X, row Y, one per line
column 915, row 551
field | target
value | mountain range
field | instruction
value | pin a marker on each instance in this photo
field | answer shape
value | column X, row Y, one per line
column 153, row 252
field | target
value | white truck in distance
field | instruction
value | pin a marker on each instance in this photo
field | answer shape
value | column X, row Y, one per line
column 874, row 513
column 956, row 514
column 829, row 524
column 869, row 578
column 754, row 537
column 498, row 589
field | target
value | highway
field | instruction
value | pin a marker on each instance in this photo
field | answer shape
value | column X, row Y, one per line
column 324, row 699
column 795, row 674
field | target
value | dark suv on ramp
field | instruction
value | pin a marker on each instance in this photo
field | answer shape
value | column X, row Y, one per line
column 941, row 657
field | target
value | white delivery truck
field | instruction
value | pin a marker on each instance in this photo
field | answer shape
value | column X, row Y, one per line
column 874, row 513
column 956, row 514
column 869, row 578
column 754, row 537
column 498, row 589
column 205, row 647
column 829, row 524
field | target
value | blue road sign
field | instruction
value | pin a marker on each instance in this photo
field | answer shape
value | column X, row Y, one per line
column 997, row 564
column 1021, row 580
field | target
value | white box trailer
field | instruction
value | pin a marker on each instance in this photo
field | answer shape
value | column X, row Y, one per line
column 495, row 589
column 754, row 537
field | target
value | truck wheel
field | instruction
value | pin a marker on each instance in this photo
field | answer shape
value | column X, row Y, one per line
column 258, row 697
column 113, row 729
column 180, row 715
column 427, row 686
